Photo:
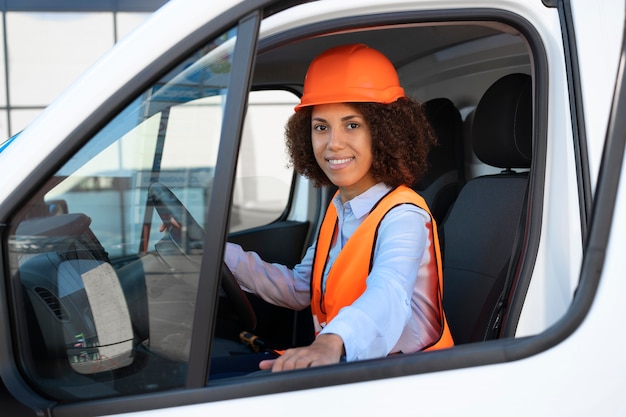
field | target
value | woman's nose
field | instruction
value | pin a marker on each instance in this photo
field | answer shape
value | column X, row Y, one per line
column 335, row 139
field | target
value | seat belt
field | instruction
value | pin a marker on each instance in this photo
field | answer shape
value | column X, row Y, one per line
column 497, row 314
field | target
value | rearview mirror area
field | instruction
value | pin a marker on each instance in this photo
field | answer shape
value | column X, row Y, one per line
column 57, row 207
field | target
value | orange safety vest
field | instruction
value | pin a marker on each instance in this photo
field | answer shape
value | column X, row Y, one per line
column 346, row 279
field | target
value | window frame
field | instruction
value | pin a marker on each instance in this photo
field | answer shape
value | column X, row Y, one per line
column 404, row 365
column 219, row 207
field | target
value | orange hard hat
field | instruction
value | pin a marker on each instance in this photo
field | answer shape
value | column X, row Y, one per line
column 350, row 73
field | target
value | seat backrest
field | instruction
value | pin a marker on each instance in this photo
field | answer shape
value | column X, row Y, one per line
column 441, row 183
column 480, row 228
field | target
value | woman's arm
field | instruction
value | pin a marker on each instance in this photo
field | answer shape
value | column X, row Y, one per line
column 273, row 282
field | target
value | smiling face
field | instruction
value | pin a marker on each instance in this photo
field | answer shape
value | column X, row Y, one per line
column 342, row 144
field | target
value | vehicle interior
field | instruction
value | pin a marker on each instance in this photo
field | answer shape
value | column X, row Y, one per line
column 106, row 258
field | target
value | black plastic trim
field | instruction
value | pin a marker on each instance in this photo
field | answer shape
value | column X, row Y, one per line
column 536, row 189
column 578, row 115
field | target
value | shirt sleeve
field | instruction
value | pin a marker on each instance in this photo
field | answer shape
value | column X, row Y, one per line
column 273, row 282
column 373, row 324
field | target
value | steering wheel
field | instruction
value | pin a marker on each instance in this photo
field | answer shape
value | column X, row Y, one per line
column 185, row 237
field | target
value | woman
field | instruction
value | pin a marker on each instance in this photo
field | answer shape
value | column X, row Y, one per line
column 373, row 278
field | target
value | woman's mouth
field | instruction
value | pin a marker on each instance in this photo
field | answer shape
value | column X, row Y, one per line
column 339, row 163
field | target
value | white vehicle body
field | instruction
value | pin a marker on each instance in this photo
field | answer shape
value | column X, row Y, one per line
column 566, row 354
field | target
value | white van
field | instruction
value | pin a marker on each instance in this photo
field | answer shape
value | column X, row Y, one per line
column 103, row 314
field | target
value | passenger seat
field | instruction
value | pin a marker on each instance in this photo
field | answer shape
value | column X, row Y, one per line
column 480, row 228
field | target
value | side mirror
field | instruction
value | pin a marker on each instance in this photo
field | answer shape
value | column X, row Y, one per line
column 57, row 207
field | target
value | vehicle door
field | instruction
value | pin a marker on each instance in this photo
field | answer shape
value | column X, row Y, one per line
column 134, row 206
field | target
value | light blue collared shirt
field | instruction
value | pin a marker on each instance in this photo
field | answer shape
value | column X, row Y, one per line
column 396, row 313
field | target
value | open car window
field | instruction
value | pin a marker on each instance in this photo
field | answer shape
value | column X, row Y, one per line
column 106, row 256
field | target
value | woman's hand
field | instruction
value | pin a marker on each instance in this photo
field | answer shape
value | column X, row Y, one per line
column 173, row 222
column 327, row 349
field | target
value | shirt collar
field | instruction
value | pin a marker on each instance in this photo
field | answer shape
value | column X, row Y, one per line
column 362, row 204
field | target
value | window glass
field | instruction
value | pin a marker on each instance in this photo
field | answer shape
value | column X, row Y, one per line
column 105, row 257
column 263, row 180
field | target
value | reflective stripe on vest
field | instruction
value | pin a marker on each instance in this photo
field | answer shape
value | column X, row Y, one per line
column 347, row 277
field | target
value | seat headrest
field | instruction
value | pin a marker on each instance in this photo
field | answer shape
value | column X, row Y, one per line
column 502, row 127
column 446, row 121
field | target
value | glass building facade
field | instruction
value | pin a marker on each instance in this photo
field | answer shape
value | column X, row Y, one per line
column 47, row 44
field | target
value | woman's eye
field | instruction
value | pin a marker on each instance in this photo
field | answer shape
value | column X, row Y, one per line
column 319, row 127
column 353, row 125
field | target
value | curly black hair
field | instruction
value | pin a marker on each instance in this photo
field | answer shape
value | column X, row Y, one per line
column 401, row 140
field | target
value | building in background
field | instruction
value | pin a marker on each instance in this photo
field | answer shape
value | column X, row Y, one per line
column 47, row 44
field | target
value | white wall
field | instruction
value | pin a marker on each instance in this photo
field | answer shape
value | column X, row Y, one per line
column 42, row 53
